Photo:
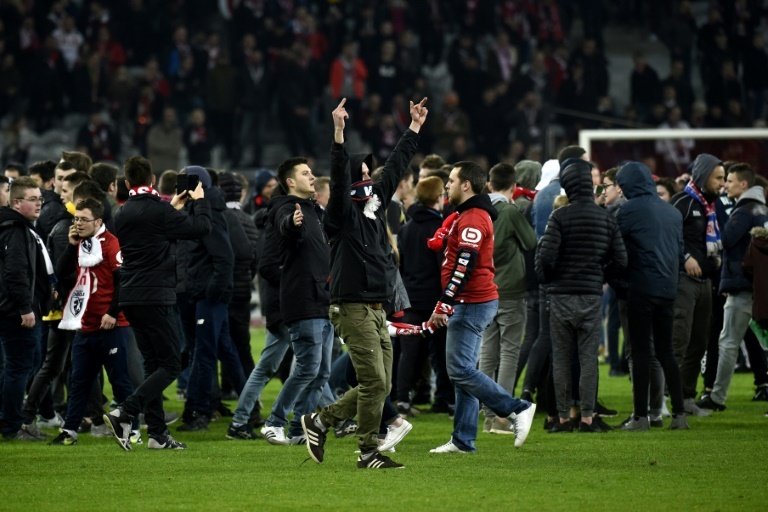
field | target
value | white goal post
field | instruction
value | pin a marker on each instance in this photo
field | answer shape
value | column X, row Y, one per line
column 587, row 136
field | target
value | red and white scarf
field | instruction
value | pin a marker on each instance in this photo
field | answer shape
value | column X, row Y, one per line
column 89, row 255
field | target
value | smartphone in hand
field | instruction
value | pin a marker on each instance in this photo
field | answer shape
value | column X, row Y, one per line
column 186, row 182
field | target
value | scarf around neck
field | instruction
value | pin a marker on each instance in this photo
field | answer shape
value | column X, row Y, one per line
column 143, row 189
column 362, row 192
column 89, row 255
column 714, row 244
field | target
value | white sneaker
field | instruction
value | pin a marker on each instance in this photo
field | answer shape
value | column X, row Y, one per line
column 665, row 410
column 522, row 424
column 448, row 447
column 395, row 435
column 136, row 437
column 56, row 422
column 274, row 435
column 100, row 430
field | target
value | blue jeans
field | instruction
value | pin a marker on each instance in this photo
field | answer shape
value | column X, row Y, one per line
column 22, row 349
column 212, row 342
column 312, row 342
column 276, row 346
column 90, row 352
column 465, row 334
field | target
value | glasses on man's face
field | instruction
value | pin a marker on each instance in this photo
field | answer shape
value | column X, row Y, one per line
column 33, row 199
column 81, row 220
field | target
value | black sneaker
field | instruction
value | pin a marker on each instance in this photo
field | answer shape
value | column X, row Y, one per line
column 708, row 403
column 377, row 461
column 549, row 423
column 64, row 439
column 119, row 423
column 598, row 422
column 591, row 428
column 761, row 394
column 315, row 436
column 198, row 423
column 244, row 432
column 345, row 428
column 561, row 427
column 602, row 410
column 165, row 442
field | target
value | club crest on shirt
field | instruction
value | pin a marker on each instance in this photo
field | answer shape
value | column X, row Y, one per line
column 87, row 245
column 77, row 302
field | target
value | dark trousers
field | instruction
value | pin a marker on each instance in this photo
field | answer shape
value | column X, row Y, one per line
column 539, row 359
column 212, row 343
column 414, row 350
column 56, row 358
column 21, row 347
column 690, row 330
column 90, row 352
column 240, row 333
column 158, row 337
column 531, row 330
column 650, row 321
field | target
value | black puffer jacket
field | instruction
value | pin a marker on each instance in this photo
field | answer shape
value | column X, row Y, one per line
column 306, row 260
column 147, row 228
column 211, row 260
column 582, row 243
column 50, row 213
column 419, row 265
column 361, row 266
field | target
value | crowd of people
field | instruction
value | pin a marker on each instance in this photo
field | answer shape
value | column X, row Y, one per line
column 157, row 77
column 490, row 281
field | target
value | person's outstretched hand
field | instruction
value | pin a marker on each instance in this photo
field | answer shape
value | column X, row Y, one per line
column 418, row 114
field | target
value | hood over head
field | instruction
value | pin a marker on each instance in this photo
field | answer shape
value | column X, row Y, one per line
column 635, row 180
column 200, row 172
column 576, row 179
column 549, row 171
column 527, row 173
column 230, row 185
column 702, row 167
column 356, row 165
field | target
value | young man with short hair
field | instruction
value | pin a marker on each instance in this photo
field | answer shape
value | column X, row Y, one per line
column 304, row 298
column 147, row 229
column 25, row 289
column 750, row 211
column 467, row 307
column 93, row 256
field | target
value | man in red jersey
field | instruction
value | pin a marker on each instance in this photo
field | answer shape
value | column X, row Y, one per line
column 93, row 259
column 467, row 306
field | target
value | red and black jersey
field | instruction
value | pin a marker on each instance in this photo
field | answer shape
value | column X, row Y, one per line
column 103, row 284
column 467, row 272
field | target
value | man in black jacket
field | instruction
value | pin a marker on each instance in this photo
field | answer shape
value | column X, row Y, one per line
column 304, row 298
column 703, row 247
column 210, row 285
column 147, row 228
column 362, row 277
column 653, row 234
column 24, row 290
column 580, row 246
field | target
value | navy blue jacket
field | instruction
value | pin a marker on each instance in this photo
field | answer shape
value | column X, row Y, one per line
column 750, row 211
column 653, row 234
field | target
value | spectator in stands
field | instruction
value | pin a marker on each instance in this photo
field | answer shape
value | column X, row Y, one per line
column 645, row 88
column 198, row 139
column 348, row 77
column 164, row 142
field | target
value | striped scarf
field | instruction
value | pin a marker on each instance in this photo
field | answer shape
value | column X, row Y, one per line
column 714, row 244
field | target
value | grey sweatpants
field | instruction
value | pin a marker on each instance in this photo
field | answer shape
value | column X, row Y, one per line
column 575, row 324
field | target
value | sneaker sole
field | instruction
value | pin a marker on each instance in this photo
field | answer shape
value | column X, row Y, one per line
column 309, row 446
column 396, row 441
column 125, row 444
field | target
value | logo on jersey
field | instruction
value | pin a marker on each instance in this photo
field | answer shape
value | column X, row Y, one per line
column 471, row 236
column 87, row 246
column 77, row 302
